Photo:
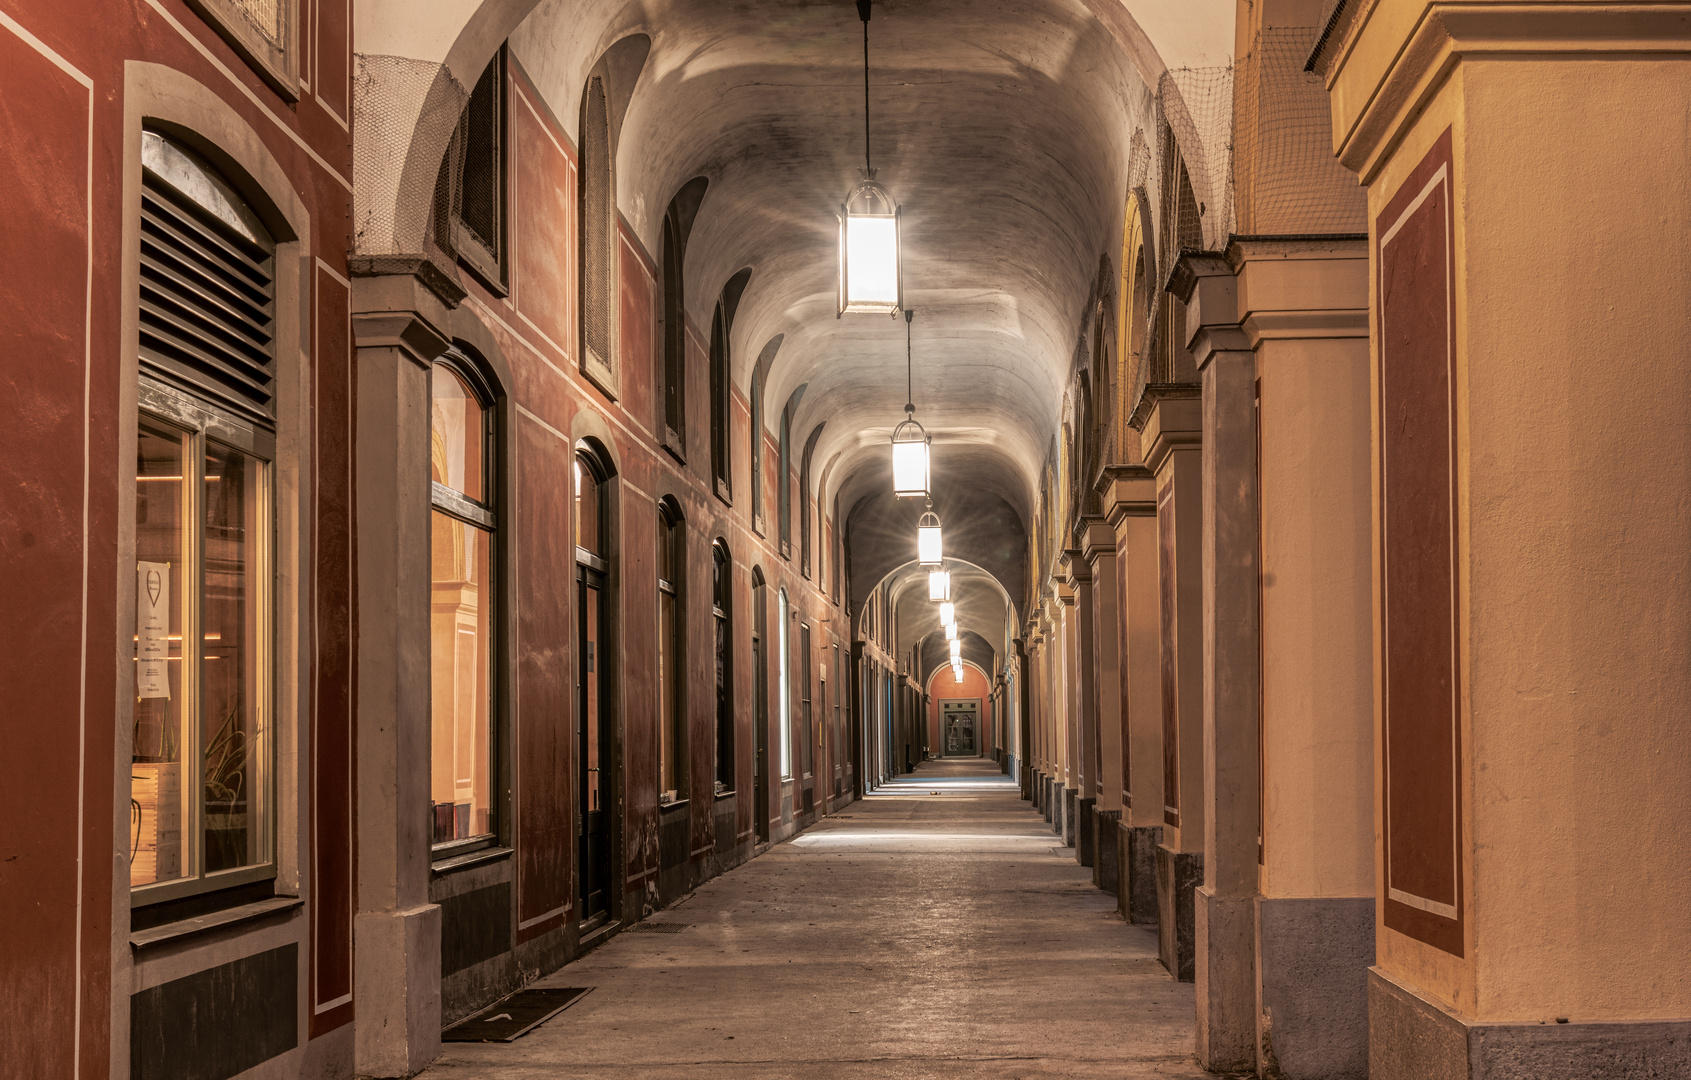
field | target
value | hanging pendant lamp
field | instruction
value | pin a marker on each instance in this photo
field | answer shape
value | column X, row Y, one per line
column 939, row 585
column 957, row 672
column 910, row 440
column 948, row 614
column 956, row 650
column 930, row 550
column 871, row 270
column 951, row 631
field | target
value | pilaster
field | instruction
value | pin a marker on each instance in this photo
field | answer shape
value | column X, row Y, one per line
column 398, row 329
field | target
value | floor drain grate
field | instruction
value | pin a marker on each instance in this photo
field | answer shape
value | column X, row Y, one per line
column 658, row 927
column 515, row 1016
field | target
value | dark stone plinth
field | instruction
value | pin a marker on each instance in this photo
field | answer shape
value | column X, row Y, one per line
column 1106, row 851
column 1178, row 873
column 1313, row 956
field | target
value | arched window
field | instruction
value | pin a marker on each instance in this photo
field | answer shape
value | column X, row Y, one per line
column 598, row 240
column 200, row 780
column 806, row 537
column 757, row 452
column 721, row 383
column 672, row 697
column 784, row 663
column 721, row 612
column 462, row 603
column 672, row 372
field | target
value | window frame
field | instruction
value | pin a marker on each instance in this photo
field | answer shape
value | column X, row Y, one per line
column 277, row 65
column 807, row 748
column 489, row 265
column 604, row 372
column 484, row 515
column 784, row 613
column 722, row 617
column 672, row 531
column 199, row 420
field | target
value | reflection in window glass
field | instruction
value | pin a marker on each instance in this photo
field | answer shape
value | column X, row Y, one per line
column 157, row 787
column 199, row 786
column 587, row 502
column 458, row 436
column 461, row 635
column 234, row 779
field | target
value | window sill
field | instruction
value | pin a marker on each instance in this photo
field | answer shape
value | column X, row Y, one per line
column 200, row 924
column 676, row 805
column 469, row 859
column 725, row 795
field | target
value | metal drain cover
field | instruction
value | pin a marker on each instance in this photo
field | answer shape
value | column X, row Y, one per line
column 515, row 1016
column 658, row 928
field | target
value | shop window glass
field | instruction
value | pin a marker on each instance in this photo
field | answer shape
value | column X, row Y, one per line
column 672, row 744
column 461, row 612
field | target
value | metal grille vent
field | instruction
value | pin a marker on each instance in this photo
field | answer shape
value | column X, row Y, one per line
column 481, row 126
column 598, row 225
column 658, row 927
column 208, row 289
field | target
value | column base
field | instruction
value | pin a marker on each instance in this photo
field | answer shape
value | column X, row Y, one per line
column 1106, row 850
column 1136, row 893
column 1411, row 1037
column 397, row 987
column 1085, row 828
column 1046, row 788
column 1055, row 812
column 1313, row 956
column 1179, row 873
column 1224, row 943
column 1071, row 810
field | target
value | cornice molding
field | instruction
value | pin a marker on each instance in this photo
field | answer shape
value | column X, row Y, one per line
column 1446, row 33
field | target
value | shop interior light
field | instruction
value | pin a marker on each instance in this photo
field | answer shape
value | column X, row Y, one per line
column 930, row 550
column 939, row 585
column 948, row 613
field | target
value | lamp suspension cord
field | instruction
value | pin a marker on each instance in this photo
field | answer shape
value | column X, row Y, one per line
column 868, row 162
column 909, row 378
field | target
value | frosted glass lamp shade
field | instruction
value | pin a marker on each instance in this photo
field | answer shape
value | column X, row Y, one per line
column 930, row 551
column 957, row 672
column 910, row 462
column 948, row 613
column 939, row 585
column 956, row 649
column 951, row 631
column 871, row 279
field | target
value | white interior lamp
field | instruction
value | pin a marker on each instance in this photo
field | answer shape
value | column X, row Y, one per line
column 871, row 281
column 957, row 672
column 956, row 651
column 948, row 613
column 930, row 551
column 951, row 631
column 939, row 585
column 910, row 440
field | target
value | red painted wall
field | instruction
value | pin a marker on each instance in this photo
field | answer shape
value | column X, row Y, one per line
column 942, row 686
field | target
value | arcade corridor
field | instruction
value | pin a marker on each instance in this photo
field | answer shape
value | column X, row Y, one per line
column 936, row 929
column 1059, row 537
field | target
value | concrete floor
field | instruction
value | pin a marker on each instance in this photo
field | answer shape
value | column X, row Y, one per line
column 935, row 929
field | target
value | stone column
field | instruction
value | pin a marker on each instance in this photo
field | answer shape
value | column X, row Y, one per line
column 1084, row 695
column 1131, row 505
column 397, row 329
column 1068, row 704
column 1225, row 916
column 1303, row 305
column 1531, row 570
column 1104, row 678
column 1172, row 439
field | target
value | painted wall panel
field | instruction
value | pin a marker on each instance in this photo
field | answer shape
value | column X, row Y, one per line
column 543, row 590
column 1168, row 595
column 45, row 170
column 543, row 226
column 1421, row 692
column 334, row 639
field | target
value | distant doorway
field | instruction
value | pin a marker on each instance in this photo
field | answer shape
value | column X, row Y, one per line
column 959, row 723
column 760, row 707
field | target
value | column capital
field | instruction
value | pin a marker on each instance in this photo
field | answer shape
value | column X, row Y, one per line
column 1206, row 283
column 396, row 311
column 1130, row 491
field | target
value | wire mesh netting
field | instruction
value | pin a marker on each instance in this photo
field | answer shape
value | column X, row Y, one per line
column 1288, row 181
column 404, row 112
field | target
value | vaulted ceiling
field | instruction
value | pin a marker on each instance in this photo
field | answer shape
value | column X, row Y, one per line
column 1003, row 128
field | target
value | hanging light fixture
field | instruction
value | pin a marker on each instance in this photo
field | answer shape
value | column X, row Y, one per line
column 939, row 585
column 957, row 672
column 910, row 440
column 930, row 551
column 871, row 277
column 956, row 650
column 951, row 631
column 948, row 614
